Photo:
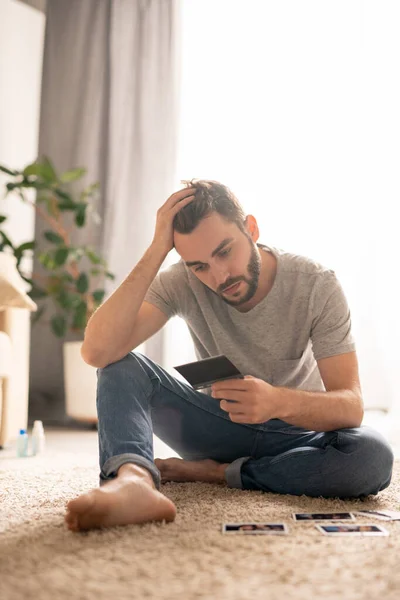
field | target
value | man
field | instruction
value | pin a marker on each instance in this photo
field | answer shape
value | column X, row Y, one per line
column 291, row 426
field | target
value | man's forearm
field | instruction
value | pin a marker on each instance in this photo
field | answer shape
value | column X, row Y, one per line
column 110, row 327
column 321, row 411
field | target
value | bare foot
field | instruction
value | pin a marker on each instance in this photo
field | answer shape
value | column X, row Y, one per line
column 129, row 498
column 176, row 469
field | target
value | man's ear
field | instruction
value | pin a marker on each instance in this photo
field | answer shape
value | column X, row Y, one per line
column 252, row 227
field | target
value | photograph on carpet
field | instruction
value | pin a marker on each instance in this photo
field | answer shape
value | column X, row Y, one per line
column 255, row 528
column 323, row 516
column 352, row 530
column 385, row 515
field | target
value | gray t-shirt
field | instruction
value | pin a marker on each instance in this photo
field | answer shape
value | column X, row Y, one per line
column 304, row 317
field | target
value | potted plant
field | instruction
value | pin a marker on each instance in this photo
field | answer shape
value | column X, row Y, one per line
column 72, row 273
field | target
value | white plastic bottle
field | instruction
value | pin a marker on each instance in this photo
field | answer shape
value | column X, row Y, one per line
column 22, row 443
column 38, row 438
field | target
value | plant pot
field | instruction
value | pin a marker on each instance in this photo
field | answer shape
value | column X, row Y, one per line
column 80, row 384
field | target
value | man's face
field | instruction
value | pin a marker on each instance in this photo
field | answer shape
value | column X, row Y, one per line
column 223, row 257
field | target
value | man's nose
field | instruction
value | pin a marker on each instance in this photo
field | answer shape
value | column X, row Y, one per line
column 220, row 275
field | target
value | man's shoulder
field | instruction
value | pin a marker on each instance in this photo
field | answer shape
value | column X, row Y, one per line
column 174, row 274
column 298, row 263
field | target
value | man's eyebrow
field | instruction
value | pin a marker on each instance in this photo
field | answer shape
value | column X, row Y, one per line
column 192, row 263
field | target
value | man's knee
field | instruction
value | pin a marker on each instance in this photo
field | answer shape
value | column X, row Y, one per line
column 127, row 360
column 131, row 362
column 130, row 369
column 373, row 455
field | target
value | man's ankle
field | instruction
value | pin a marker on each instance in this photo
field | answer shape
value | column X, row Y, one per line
column 133, row 469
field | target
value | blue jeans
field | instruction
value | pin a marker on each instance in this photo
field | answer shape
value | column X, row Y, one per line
column 136, row 397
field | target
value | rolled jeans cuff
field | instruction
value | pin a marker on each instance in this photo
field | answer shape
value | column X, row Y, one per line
column 232, row 472
column 111, row 466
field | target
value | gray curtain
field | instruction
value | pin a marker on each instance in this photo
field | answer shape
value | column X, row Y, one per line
column 109, row 103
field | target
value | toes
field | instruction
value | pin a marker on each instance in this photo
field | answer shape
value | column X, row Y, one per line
column 77, row 510
column 73, row 526
column 71, row 520
column 68, row 517
column 163, row 465
column 81, row 504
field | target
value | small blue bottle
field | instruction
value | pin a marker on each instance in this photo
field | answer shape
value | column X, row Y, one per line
column 22, row 443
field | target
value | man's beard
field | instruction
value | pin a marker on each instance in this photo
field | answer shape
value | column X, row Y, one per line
column 254, row 270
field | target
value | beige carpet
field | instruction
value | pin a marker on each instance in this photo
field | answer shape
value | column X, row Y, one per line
column 190, row 558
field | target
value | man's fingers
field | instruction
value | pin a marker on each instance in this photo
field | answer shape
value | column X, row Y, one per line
column 181, row 195
column 230, row 384
column 179, row 205
column 240, row 418
column 234, row 395
column 230, row 408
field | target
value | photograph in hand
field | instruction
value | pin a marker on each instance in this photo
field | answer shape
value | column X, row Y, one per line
column 202, row 373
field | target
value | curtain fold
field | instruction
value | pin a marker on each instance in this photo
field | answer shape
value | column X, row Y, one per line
column 110, row 95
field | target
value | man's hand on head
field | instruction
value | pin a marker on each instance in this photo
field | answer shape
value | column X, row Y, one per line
column 164, row 234
column 252, row 400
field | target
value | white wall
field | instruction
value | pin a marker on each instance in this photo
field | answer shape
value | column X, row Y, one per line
column 294, row 105
column 21, row 50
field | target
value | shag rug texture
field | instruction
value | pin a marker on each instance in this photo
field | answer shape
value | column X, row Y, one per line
column 189, row 558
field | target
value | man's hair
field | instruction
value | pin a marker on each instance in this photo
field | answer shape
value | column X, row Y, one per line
column 210, row 196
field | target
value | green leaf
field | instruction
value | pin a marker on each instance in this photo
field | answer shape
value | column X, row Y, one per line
column 36, row 315
column 79, row 320
column 77, row 253
column 90, row 191
column 41, row 197
column 36, row 293
column 67, row 277
column 53, row 284
column 19, row 252
column 25, row 246
column 64, row 206
column 82, row 284
column 60, row 256
column 110, row 275
column 98, row 296
column 2, row 218
column 80, row 216
column 6, row 240
column 8, row 171
column 51, row 174
column 93, row 257
column 59, row 325
column 37, row 185
column 33, row 169
column 47, row 260
column 53, row 237
column 64, row 196
column 67, row 300
column 43, row 169
column 72, row 175
column 95, row 271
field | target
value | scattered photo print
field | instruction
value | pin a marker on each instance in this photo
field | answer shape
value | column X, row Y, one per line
column 355, row 530
column 323, row 516
column 385, row 515
column 255, row 528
